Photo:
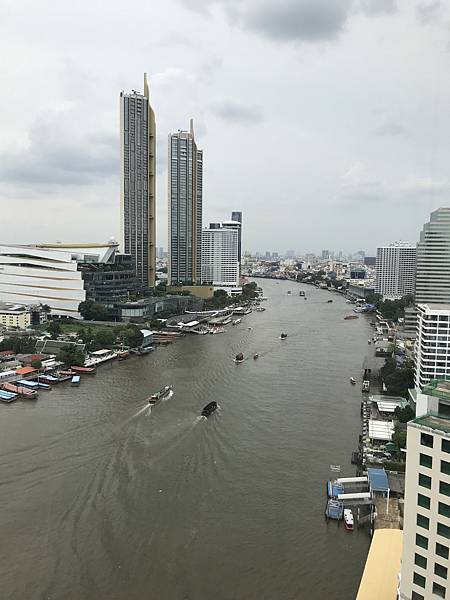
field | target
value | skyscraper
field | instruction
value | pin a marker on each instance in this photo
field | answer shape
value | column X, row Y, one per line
column 220, row 264
column 237, row 217
column 185, row 195
column 395, row 269
column 137, row 181
column 433, row 259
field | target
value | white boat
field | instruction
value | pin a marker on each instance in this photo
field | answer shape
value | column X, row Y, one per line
column 260, row 309
column 237, row 321
column 215, row 330
column 100, row 356
column 352, row 380
column 155, row 398
column 348, row 519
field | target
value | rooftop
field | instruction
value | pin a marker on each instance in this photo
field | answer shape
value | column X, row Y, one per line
column 433, row 421
column 379, row 580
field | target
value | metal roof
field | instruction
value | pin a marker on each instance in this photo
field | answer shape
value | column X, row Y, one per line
column 378, row 480
column 381, row 430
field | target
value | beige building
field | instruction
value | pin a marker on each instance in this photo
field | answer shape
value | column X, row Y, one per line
column 426, row 535
column 14, row 315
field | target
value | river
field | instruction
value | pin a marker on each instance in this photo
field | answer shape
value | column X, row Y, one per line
column 103, row 499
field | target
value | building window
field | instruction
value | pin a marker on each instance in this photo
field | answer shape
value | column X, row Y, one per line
column 440, row 570
column 423, row 501
column 425, row 481
column 438, row 590
column 441, row 550
column 423, row 521
column 426, row 440
column 421, row 541
column 446, row 446
column 444, row 509
column 443, row 530
column 419, row 580
column 416, row 596
column 445, row 467
column 420, row 561
column 426, row 461
column 444, row 488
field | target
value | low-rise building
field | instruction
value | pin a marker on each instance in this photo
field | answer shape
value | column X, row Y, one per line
column 14, row 315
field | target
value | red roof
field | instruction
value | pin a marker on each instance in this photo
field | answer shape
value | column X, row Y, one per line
column 6, row 353
column 26, row 370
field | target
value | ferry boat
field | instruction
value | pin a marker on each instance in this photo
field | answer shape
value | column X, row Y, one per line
column 348, row 519
column 348, row 317
column 352, row 380
column 239, row 358
column 155, row 398
column 20, row 391
column 209, row 409
column 283, row 336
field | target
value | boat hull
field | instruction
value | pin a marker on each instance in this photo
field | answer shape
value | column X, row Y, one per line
column 209, row 409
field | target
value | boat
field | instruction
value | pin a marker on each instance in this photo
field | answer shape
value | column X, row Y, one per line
column 63, row 378
column 144, row 351
column 369, row 341
column 209, row 409
column 260, row 309
column 48, row 379
column 20, row 391
column 255, row 356
column 227, row 321
column 348, row 317
column 348, row 519
column 215, row 330
column 365, row 386
column 66, row 373
column 154, row 398
column 352, row 380
column 249, row 328
column 239, row 358
column 123, row 354
column 301, row 293
column 283, row 336
column 306, row 298
column 329, row 301
column 289, row 292
column 75, row 380
column 237, row 321
column 84, row 370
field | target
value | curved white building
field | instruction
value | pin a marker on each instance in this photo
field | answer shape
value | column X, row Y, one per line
column 31, row 275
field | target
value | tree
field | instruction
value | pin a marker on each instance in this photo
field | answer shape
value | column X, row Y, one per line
column 92, row 311
column 403, row 415
column 388, row 368
column 103, row 338
column 132, row 337
column 54, row 329
column 399, row 437
column 71, row 355
column 19, row 345
column 36, row 364
column 400, row 381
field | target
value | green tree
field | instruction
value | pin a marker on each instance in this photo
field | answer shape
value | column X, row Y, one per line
column 132, row 337
column 54, row 329
column 399, row 437
column 71, row 355
column 103, row 338
column 36, row 364
column 403, row 415
column 400, row 381
column 19, row 345
column 388, row 368
column 92, row 311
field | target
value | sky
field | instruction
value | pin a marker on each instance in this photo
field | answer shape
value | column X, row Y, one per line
column 326, row 122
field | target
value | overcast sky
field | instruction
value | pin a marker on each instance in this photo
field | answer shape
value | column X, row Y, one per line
column 327, row 122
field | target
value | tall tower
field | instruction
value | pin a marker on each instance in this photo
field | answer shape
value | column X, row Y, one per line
column 237, row 216
column 185, row 196
column 137, row 181
column 433, row 259
column 395, row 269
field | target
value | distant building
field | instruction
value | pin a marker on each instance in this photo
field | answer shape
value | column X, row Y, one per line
column 325, row 255
column 433, row 259
column 290, row 253
column 426, row 528
column 370, row 261
column 220, row 264
column 395, row 270
column 432, row 343
column 185, row 195
column 137, row 187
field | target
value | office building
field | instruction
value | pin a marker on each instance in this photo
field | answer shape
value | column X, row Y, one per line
column 236, row 216
column 220, row 265
column 185, row 196
column 433, row 259
column 432, row 343
column 137, row 181
column 395, row 270
column 426, row 530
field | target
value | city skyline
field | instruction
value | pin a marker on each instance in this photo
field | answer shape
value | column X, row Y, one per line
column 373, row 148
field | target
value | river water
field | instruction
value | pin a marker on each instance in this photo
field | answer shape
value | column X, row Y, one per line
column 103, row 499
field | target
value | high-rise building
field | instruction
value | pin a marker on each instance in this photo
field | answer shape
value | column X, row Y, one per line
column 433, row 259
column 325, row 255
column 137, row 181
column 426, row 529
column 220, row 265
column 432, row 343
column 185, row 195
column 395, row 270
column 236, row 216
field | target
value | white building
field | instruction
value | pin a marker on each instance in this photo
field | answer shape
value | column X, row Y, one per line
column 220, row 263
column 395, row 270
column 432, row 343
column 14, row 315
column 31, row 275
column 433, row 259
column 426, row 530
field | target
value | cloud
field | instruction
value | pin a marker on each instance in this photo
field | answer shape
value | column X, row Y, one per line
column 391, row 129
column 58, row 152
column 238, row 113
column 428, row 10
column 293, row 20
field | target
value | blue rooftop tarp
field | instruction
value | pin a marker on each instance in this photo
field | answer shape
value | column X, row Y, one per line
column 378, row 480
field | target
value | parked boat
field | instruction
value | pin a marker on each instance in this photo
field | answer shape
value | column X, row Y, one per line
column 84, row 370
column 215, row 330
column 283, row 336
column 260, row 309
column 349, row 317
column 352, row 380
column 48, row 379
column 63, row 378
column 66, row 373
column 158, row 396
column 348, row 519
column 209, row 409
column 255, row 356
column 20, row 391
column 75, row 381
column 239, row 358
column 123, row 354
